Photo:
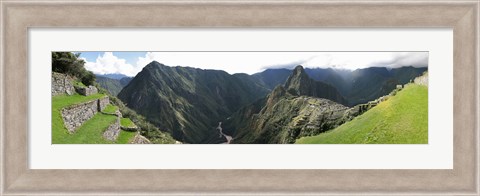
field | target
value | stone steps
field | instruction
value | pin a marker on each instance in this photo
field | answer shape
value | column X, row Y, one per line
column 112, row 131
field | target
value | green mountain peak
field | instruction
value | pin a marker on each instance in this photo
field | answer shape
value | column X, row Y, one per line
column 299, row 69
column 188, row 102
column 300, row 84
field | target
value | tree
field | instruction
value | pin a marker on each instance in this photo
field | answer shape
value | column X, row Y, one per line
column 88, row 78
column 69, row 63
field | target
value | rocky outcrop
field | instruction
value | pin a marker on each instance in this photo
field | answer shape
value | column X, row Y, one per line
column 61, row 84
column 275, row 95
column 75, row 115
column 139, row 139
column 112, row 132
column 286, row 118
column 300, row 84
column 422, row 80
column 86, row 91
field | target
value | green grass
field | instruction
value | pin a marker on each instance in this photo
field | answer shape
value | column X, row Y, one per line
column 125, row 137
column 111, row 109
column 59, row 132
column 61, row 101
column 126, row 122
column 78, row 83
column 91, row 132
column 402, row 119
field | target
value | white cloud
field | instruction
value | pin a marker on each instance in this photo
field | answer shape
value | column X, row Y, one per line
column 358, row 60
column 253, row 62
column 231, row 62
column 110, row 64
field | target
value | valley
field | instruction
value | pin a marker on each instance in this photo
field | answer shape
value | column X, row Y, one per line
column 294, row 105
column 189, row 103
column 227, row 137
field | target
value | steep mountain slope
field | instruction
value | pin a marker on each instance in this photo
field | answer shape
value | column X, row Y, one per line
column 125, row 80
column 256, row 86
column 402, row 119
column 186, row 101
column 270, row 78
column 299, row 83
column 113, row 86
column 339, row 78
column 363, row 85
column 298, row 109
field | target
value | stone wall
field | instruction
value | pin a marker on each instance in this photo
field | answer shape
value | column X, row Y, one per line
column 75, row 115
column 86, row 91
column 362, row 108
column 112, row 132
column 131, row 129
column 103, row 102
column 61, row 84
column 422, row 80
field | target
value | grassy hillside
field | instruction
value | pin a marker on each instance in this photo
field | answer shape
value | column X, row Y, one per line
column 402, row 119
column 89, row 133
column 59, row 132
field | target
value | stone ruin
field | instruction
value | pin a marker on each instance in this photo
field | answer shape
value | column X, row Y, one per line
column 75, row 115
column 422, row 80
column 112, row 132
column 86, row 91
column 61, row 84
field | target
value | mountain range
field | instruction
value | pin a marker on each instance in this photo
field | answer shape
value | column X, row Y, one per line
column 357, row 86
column 188, row 102
column 300, row 107
column 113, row 83
column 266, row 107
column 116, row 76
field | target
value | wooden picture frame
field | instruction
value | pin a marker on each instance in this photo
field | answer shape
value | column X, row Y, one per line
column 17, row 16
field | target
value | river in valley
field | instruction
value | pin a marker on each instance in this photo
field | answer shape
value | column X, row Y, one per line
column 229, row 138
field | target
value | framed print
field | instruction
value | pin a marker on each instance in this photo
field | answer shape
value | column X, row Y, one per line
column 317, row 112
column 385, row 95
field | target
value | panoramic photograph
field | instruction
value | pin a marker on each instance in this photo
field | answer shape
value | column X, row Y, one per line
column 239, row 97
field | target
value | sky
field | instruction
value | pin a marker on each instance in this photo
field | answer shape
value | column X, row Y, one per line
column 130, row 63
